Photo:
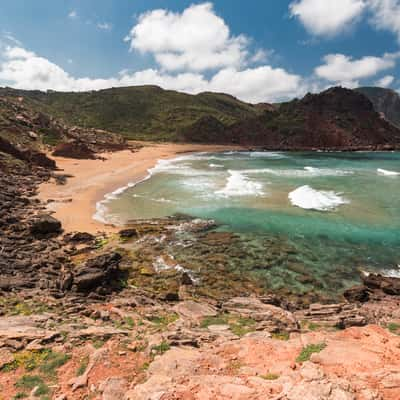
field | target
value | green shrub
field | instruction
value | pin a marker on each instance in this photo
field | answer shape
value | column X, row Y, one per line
column 308, row 350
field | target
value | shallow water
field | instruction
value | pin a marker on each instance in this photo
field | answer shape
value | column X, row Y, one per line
column 338, row 212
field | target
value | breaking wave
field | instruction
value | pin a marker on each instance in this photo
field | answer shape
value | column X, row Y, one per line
column 387, row 172
column 238, row 184
column 310, row 199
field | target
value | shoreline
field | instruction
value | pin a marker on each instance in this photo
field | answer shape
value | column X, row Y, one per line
column 75, row 202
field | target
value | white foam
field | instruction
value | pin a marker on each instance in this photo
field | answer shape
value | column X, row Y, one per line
column 239, row 185
column 391, row 273
column 215, row 165
column 387, row 172
column 307, row 172
column 266, row 154
column 310, row 199
column 160, row 265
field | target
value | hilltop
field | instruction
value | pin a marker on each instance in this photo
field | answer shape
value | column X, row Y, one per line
column 337, row 118
column 137, row 112
column 385, row 101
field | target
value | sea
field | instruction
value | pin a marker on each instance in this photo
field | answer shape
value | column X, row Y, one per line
column 339, row 212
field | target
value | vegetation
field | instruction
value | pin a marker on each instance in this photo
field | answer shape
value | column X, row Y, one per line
column 82, row 366
column 270, row 377
column 140, row 112
column 237, row 324
column 308, row 350
column 394, row 327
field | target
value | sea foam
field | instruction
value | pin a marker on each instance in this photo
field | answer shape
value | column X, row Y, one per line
column 387, row 172
column 238, row 184
column 310, row 199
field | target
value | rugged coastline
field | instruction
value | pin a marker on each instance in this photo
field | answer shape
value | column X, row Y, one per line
column 88, row 316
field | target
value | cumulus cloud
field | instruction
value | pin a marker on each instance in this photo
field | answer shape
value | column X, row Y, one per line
column 384, row 82
column 327, row 17
column 25, row 70
column 344, row 70
column 196, row 39
column 386, row 15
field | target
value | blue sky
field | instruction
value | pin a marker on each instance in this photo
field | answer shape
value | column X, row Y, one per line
column 259, row 50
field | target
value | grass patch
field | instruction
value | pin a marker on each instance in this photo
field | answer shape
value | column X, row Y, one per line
column 280, row 336
column 308, row 350
column 217, row 320
column 161, row 348
column 82, row 366
column 270, row 377
column 46, row 360
column 238, row 325
column 52, row 362
column 20, row 395
column 394, row 327
column 29, row 382
column 98, row 344
column 164, row 320
column 129, row 322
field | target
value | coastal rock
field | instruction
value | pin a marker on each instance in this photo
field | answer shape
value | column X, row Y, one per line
column 128, row 233
column 101, row 271
column 335, row 315
column 268, row 317
column 80, row 237
column 46, row 224
column 388, row 285
column 357, row 294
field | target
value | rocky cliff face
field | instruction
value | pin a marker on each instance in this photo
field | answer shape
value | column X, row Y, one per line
column 26, row 133
column 385, row 101
column 334, row 119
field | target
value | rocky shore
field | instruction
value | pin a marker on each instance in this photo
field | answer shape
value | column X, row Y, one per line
column 111, row 316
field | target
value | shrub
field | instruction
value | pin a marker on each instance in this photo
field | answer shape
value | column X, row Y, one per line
column 308, row 350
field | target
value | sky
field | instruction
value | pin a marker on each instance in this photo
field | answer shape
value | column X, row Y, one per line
column 256, row 50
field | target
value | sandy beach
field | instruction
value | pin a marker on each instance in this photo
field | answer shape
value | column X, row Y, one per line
column 74, row 203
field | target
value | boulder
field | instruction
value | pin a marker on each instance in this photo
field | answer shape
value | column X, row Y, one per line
column 45, row 225
column 81, row 237
column 357, row 294
column 388, row 285
column 128, row 233
column 101, row 271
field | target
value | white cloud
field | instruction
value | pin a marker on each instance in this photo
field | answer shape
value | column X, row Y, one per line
column 386, row 15
column 257, row 84
column 73, row 14
column 25, row 70
column 196, row 39
column 327, row 17
column 384, row 82
column 346, row 71
column 105, row 26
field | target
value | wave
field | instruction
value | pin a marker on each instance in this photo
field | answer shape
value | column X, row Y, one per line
column 310, row 199
column 387, row 172
column 215, row 165
column 239, row 185
column 307, row 172
column 266, row 154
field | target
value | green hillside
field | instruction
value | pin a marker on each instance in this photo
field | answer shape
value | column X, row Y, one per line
column 140, row 112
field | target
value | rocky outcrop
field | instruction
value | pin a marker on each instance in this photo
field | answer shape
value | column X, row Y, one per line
column 45, row 225
column 388, row 285
column 337, row 118
column 97, row 274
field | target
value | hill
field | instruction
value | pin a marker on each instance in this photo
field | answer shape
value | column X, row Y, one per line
column 139, row 112
column 385, row 101
column 337, row 118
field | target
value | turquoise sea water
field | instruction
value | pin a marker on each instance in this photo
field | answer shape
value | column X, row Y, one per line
column 338, row 213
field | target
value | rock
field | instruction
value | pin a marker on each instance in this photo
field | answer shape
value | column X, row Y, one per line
column 193, row 310
column 113, row 388
column 101, row 271
column 5, row 357
column 388, row 285
column 128, row 233
column 357, row 294
column 81, row 237
column 46, row 224
column 335, row 315
column 267, row 316
column 186, row 279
